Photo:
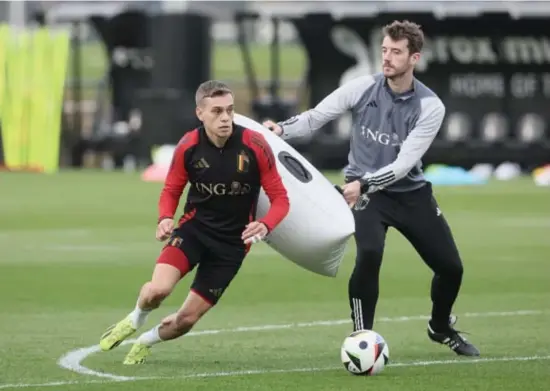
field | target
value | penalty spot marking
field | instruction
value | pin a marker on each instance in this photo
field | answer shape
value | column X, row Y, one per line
column 274, row 371
column 73, row 359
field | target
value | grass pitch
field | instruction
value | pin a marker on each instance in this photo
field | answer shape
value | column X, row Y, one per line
column 75, row 248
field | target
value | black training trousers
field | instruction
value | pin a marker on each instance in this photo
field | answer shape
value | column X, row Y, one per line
column 416, row 215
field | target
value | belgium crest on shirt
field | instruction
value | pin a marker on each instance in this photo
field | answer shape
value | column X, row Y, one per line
column 242, row 162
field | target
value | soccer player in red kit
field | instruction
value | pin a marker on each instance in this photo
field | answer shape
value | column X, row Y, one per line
column 225, row 166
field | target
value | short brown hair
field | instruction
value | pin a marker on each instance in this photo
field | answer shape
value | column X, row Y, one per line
column 210, row 89
column 410, row 31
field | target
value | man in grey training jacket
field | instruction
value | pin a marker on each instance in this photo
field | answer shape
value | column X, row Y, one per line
column 395, row 119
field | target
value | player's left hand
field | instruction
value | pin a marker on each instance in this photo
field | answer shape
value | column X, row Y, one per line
column 352, row 191
column 254, row 232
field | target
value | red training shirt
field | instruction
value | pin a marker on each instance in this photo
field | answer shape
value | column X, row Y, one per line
column 224, row 183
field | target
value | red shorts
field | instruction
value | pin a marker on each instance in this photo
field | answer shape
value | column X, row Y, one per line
column 217, row 262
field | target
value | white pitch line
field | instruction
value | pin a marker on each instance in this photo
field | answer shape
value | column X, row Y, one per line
column 72, row 362
column 275, row 371
column 73, row 359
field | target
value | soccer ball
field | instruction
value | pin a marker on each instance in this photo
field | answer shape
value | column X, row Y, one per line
column 365, row 352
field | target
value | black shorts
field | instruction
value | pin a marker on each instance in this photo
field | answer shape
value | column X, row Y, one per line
column 217, row 262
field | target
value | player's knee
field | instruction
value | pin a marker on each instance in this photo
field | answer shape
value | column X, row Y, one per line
column 368, row 258
column 452, row 268
column 156, row 293
column 457, row 269
column 367, row 269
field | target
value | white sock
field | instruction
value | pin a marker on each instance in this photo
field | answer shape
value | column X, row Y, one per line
column 139, row 316
column 151, row 337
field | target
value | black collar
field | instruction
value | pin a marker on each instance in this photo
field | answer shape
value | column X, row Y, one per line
column 232, row 140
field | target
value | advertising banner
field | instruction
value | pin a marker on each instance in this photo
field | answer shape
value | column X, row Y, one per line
column 491, row 71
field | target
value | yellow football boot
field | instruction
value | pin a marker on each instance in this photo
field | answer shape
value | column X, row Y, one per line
column 137, row 354
column 115, row 334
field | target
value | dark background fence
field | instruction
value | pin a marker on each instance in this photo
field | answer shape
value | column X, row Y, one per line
column 134, row 71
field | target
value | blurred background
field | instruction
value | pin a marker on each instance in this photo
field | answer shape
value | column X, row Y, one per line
column 101, row 84
column 91, row 91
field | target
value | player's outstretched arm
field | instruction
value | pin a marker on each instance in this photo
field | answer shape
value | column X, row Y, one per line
column 175, row 183
column 334, row 105
column 414, row 147
column 271, row 182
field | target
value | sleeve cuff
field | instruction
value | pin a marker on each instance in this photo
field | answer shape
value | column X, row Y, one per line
column 284, row 136
column 365, row 184
column 269, row 229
